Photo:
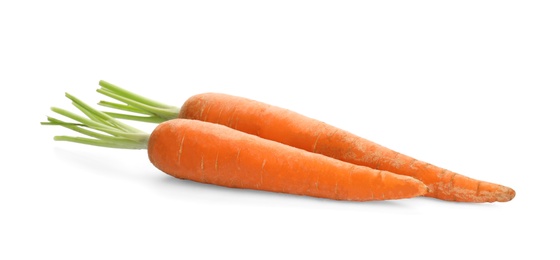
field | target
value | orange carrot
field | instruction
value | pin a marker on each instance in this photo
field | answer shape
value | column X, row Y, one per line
column 216, row 154
column 212, row 153
column 299, row 131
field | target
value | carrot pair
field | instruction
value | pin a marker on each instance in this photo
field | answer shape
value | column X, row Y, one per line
column 259, row 122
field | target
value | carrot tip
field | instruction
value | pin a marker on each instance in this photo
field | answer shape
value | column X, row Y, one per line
column 507, row 195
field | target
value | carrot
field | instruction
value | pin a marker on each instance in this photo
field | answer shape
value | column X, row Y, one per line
column 216, row 154
column 299, row 131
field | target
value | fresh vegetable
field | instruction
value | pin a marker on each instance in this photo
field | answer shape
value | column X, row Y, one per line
column 299, row 131
column 216, row 154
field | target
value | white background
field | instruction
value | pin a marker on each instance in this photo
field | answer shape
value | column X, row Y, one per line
column 469, row 86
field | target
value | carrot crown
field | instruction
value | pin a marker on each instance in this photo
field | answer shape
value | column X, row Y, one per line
column 102, row 129
column 146, row 110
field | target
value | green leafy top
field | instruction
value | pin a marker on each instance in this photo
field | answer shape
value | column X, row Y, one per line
column 102, row 129
column 149, row 110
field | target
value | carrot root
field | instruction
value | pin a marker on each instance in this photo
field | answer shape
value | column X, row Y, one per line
column 288, row 127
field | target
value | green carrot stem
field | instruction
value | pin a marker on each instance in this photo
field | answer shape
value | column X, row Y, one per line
column 147, row 119
column 165, row 113
column 125, row 93
column 136, row 104
column 112, row 130
column 103, row 129
column 104, row 143
column 80, row 129
column 86, row 121
column 88, row 114
column 103, row 117
column 122, row 107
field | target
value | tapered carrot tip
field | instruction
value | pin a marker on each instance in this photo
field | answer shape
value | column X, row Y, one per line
column 466, row 189
column 491, row 192
column 396, row 186
column 422, row 188
column 505, row 194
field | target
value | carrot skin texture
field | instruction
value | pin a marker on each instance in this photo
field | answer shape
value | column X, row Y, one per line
column 215, row 154
column 288, row 127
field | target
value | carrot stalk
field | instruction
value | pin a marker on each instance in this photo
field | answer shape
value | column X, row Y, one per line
column 78, row 128
column 116, row 134
column 123, row 107
column 216, row 154
column 103, row 127
column 296, row 130
column 100, row 116
column 136, row 103
column 147, row 119
column 143, row 117
column 99, row 142
column 132, row 96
